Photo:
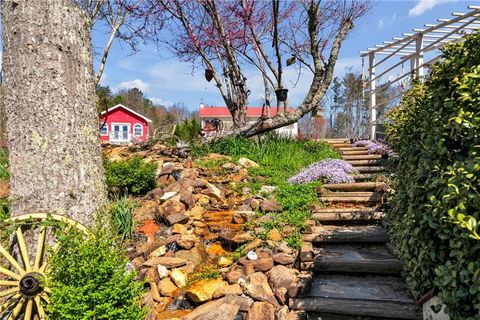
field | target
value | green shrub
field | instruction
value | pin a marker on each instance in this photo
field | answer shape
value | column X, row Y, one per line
column 133, row 176
column 188, row 130
column 88, row 280
column 435, row 212
column 120, row 211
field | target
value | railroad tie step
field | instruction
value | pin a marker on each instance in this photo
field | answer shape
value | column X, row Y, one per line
column 352, row 197
column 363, row 163
column 370, row 169
column 362, row 157
column 347, row 234
column 354, row 152
column 357, row 297
column 357, row 186
column 357, row 259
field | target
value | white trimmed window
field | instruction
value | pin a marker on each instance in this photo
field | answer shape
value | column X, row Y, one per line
column 104, row 130
column 138, row 130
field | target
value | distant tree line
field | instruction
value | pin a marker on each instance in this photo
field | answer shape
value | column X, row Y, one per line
column 135, row 99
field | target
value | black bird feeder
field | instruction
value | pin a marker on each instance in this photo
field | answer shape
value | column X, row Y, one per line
column 282, row 94
column 209, row 74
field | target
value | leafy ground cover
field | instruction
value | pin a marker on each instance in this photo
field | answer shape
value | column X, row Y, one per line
column 279, row 159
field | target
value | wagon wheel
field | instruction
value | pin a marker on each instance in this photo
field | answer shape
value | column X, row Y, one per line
column 23, row 286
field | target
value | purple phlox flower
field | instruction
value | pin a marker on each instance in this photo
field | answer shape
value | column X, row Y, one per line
column 328, row 170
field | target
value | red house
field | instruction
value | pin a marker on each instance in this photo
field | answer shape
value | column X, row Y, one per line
column 123, row 125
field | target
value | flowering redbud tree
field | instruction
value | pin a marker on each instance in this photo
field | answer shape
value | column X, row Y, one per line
column 226, row 37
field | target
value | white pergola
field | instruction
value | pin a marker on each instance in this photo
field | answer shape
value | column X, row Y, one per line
column 387, row 60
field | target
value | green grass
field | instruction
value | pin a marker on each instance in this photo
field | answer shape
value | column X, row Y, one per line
column 279, row 159
column 120, row 210
column 4, row 175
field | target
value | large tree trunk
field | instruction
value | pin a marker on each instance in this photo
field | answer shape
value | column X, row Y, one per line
column 54, row 149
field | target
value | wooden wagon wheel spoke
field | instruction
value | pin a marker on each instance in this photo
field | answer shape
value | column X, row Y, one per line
column 8, row 292
column 11, row 259
column 18, row 309
column 28, row 310
column 23, row 249
column 8, row 283
column 40, row 311
column 10, row 274
column 10, row 302
column 40, row 248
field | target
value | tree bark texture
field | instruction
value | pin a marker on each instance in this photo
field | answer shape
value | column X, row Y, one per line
column 54, row 150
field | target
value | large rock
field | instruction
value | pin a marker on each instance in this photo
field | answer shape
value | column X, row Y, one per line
column 281, row 276
column 174, row 218
column 168, row 262
column 221, row 309
column 235, row 274
column 172, row 206
column 167, row 288
column 203, row 290
column 283, row 258
column 261, row 311
column 187, row 241
column 247, row 163
column 179, row 278
column 270, row 206
column 257, row 287
column 228, row 289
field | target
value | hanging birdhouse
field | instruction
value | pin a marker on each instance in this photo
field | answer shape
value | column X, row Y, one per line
column 209, row 74
column 281, row 94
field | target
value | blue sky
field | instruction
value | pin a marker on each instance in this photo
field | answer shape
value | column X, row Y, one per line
column 166, row 80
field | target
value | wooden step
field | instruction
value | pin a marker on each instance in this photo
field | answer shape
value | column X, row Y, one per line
column 345, row 194
column 354, row 152
column 371, row 169
column 354, row 259
column 362, row 157
column 357, row 215
column 341, row 144
column 357, row 186
column 360, row 163
column 343, row 149
column 351, row 234
column 369, row 296
column 353, row 197
column 362, row 177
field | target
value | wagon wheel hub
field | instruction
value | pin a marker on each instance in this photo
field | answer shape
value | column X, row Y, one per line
column 32, row 284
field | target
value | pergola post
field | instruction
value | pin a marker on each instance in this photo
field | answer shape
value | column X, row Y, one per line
column 372, row 94
column 419, row 57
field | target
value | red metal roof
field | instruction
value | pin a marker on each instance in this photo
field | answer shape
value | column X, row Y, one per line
column 222, row 112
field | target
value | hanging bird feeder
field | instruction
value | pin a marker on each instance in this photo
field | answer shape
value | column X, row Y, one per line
column 281, row 94
column 208, row 74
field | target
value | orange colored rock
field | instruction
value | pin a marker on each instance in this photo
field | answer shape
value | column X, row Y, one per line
column 216, row 250
column 203, row 290
column 149, row 229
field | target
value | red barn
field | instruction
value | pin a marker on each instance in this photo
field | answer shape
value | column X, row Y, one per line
column 123, row 125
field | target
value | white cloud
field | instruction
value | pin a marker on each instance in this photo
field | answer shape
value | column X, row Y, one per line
column 161, row 102
column 381, row 23
column 137, row 83
column 424, row 5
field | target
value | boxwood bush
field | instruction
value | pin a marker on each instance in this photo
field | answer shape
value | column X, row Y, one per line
column 435, row 214
column 88, row 280
column 133, row 176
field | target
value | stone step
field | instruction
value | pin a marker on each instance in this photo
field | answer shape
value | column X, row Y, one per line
column 362, row 157
column 360, row 163
column 354, row 152
column 357, row 186
column 347, row 234
column 355, row 259
column 360, row 296
column 371, row 169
